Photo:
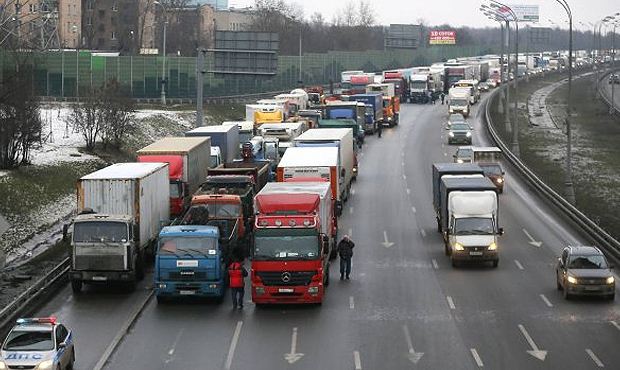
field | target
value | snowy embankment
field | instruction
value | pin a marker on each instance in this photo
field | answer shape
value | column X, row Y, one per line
column 29, row 234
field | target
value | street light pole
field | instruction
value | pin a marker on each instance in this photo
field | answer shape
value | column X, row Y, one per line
column 300, row 80
column 569, row 190
column 163, row 64
column 612, row 110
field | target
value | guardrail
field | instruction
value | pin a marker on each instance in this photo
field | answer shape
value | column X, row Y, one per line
column 602, row 92
column 609, row 245
column 22, row 304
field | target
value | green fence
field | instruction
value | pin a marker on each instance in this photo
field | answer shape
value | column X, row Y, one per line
column 70, row 74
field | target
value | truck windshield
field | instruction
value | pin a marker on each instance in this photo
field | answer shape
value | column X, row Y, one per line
column 27, row 340
column 458, row 102
column 99, row 231
column 286, row 247
column 418, row 85
column 487, row 156
column 200, row 214
column 473, row 226
column 176, row 245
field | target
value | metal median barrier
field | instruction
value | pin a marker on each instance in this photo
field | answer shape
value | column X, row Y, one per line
column 610, row 245
column 27, row 300
column 602, row 91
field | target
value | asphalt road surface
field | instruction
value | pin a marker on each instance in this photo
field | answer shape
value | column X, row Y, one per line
column 404, row 308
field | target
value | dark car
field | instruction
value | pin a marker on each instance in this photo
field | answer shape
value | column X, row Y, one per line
column 585, row 271
column 495, row 173
column 614, row 79
column 459, row 133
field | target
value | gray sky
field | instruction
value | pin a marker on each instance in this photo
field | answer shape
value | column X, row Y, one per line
column 459, row 12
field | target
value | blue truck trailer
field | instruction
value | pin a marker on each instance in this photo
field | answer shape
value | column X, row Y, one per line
column 375, row 100
column 189, row 263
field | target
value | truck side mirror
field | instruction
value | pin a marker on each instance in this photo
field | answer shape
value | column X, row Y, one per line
column 500, row 231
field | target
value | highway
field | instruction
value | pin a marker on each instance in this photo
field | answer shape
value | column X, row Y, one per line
column 405, row 307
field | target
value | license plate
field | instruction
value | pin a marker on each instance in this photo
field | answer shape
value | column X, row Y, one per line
column 286, row 290
column 187, row 292
column 592, row 288
column 99, row 278
column 475, row 253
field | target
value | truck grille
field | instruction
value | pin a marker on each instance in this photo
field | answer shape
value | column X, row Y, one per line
column 187, row 276
column 99, row 263
column 294, row 278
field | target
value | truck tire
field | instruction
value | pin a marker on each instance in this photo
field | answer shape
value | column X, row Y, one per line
column 76, row 286
column 446, row 249
column 140, row 267
column 326, row 280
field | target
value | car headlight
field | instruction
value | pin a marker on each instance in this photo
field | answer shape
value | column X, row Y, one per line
column 45, row 365
column 499, row 180
column 451, row 134
column 2, row 365
column 468, row 134
column 492, row 246
column 459, row 161
column 610, row 280
column 572, row 280
column 458, row 247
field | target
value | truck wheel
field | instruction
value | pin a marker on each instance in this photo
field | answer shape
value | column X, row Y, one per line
column 76, row 286
column 140, row 267
column 446, row 249
column 326, row 282
column 438, row 225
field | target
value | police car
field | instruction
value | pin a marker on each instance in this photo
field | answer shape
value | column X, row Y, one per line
column 38, row 344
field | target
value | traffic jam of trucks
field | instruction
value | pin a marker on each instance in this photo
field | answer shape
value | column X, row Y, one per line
column 271, row 189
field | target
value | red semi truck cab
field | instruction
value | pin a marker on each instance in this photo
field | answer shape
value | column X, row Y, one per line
column 179, row 191
column 290, row 263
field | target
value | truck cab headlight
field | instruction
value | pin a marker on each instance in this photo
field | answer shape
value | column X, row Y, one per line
column 492, row 246
column 572, row 280
column 313, row 290
column 458, row 247
column 610, row 280
column 468, row 134
column 451, row 134
column 500, row 180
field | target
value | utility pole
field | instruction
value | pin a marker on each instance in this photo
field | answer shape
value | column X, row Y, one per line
column 612, row 110
column 200, row 73
column 163, row 64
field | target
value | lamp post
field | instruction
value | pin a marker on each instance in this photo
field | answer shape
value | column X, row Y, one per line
column 569, row 190
column 612, row 109
column 503, row 8
column 163, row 64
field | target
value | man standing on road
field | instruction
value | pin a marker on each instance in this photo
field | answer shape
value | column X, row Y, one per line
column 443, row 98
column 236, row 273
column 379, row 128
column 345, row 249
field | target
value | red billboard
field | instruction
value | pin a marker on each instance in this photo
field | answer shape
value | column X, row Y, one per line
column 442, row 38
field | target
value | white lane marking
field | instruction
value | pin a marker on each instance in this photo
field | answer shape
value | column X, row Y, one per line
column 357, row 360
column 445, row 154
column 351, row 302
column 404, row 177
column 519, row 265
column 451, row 303
column 414, row 210
column 352, row 191
column 408, row 191
column 412, row 355
column 351, row 210
column 547, row 302
column 435, row 264
column 537, row 353
column 350, row 232
column 293, row 356
column 386, row 243
column 402, row 163
column 596, row 360
column 174, row 344
column 532, row 241
column 476, row 357
column 423, row 232
column 233, row 345
column 615, row 324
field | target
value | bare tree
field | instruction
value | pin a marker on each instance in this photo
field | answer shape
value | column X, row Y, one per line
column 117, row 110
column 365, row 15
column 87, row 117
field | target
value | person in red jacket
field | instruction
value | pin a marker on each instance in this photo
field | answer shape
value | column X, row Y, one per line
column 236, row 275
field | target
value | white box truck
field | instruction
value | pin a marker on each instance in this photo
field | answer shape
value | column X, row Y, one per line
column 459, row 100
column 121, row 210
column 313, row 164
column 341, row 138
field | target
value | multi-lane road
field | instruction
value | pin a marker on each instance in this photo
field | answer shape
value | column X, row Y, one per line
column 404, row 308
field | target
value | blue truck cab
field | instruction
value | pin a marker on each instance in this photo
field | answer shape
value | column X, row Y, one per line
column 189, row 262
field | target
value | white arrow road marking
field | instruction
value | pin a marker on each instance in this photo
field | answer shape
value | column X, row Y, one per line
column 519, row 265
column 233, row 344
column 547, row 302
column 413, row 356
column 532, row 241
column 476, row 357
column 435, row 264
column 293, row 356
column 596, row 360
column 451, row 303
column 351, row 302
column 357, row 360
column 537, row 353
column 386, row 243
column 615, row 324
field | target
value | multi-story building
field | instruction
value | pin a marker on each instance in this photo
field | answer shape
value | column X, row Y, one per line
column 233, row 19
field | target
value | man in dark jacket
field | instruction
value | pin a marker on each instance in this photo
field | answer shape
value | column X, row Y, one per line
column 345, row 250
column 236, row 275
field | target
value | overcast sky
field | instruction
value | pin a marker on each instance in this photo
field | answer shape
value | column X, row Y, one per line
column 458, row 12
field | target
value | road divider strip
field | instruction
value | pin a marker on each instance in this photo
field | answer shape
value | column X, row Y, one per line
column 594, row 358
column 476, row 357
